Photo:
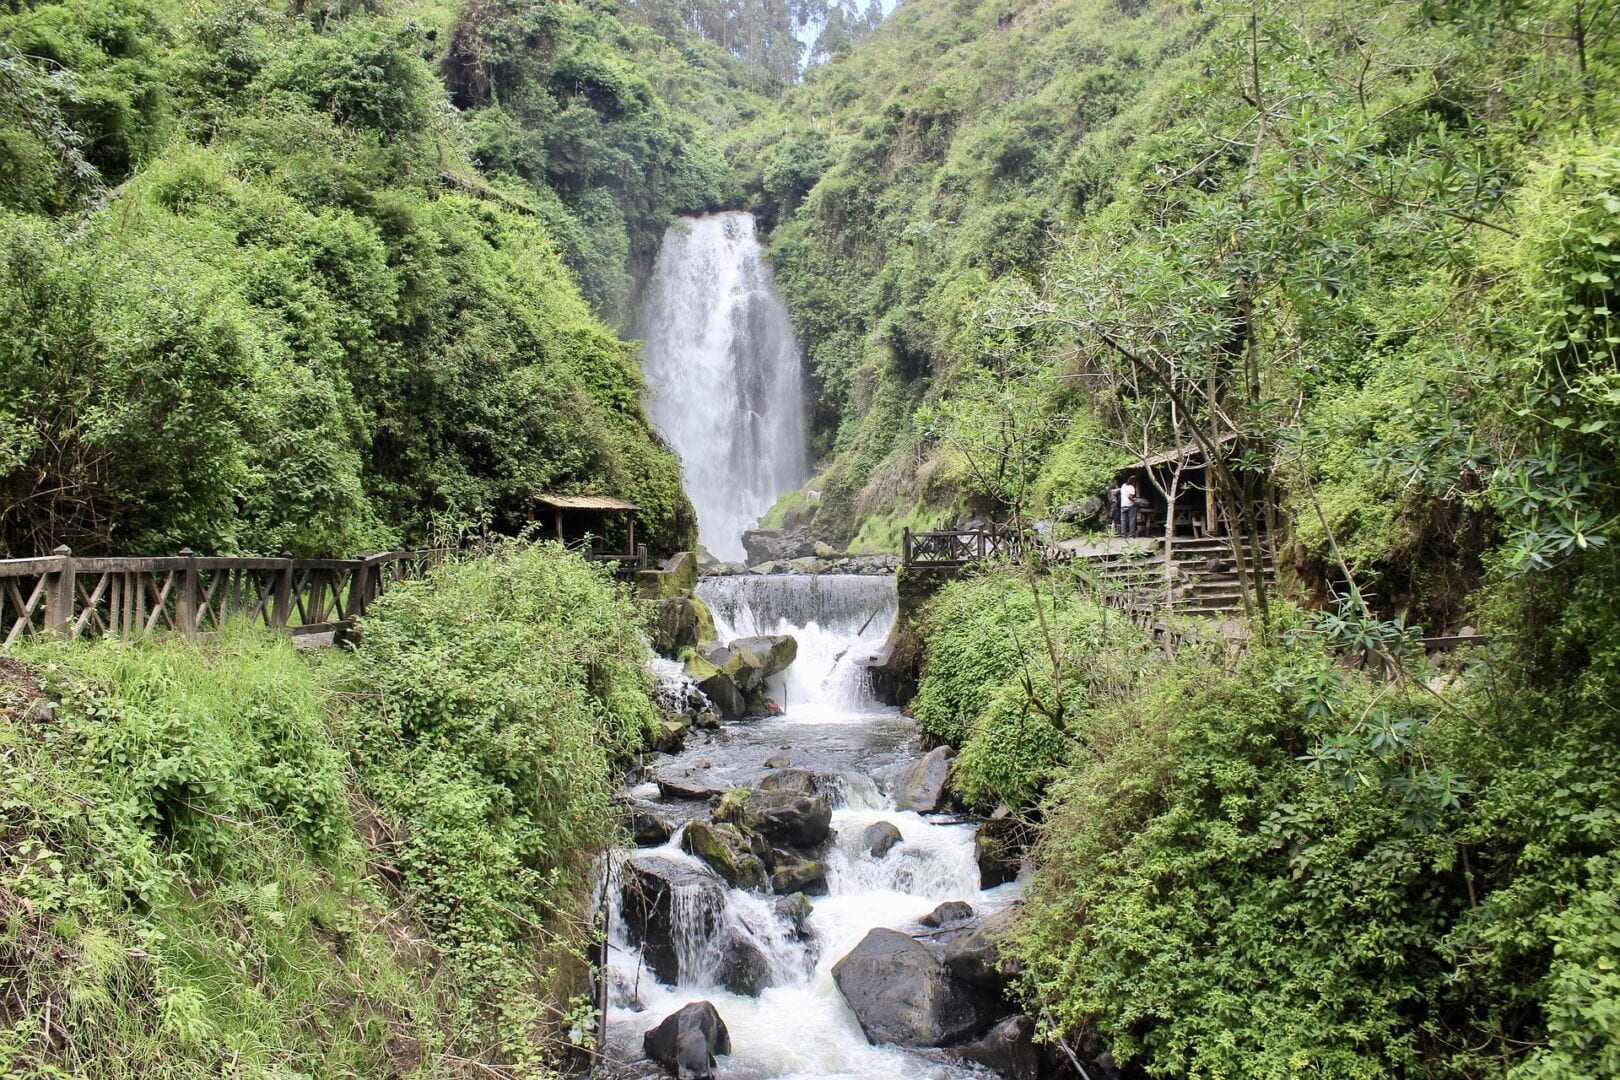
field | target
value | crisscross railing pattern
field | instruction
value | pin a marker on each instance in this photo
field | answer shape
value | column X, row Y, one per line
column 190, row 595
column 957, row 547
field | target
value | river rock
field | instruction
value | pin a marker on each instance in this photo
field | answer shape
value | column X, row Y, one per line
column 901, row 993
column 741, row 965
column 778, row 761
column 671, row 734
column 688, row 787
column 681, row 622
column 999, row 847
column 776, row 545
column 973, row 951
column 727, row 851
column 879, row 837
column 798, row 875
column 923, row 787
column 749, row 661
column 951, row 911
column 648, row 889
column 646, row 825
column 1010, row 1049
column 825, row 551
column 795, row 911
column 686, row 1041
column 783, row 817
column 802, row 781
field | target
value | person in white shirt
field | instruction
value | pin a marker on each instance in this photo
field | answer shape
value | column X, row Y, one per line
column 1127, row 507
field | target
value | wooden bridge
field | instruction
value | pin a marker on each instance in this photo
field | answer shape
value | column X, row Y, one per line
column 191, row 595
column 1200, row 577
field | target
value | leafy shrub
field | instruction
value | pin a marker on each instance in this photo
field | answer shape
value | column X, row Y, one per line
column 990, row 684
column 488, row 708
column 1215, row 907
column 182, row 892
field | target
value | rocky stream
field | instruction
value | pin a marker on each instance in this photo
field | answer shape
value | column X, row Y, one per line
column 806, row 902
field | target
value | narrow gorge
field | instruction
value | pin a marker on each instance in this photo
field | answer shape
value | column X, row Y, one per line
column 801, row 867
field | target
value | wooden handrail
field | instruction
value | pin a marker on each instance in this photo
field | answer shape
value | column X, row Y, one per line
column 74, row 597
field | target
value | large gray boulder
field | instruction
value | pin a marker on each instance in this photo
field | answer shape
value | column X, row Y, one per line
column 686, row 1041
column 973, row 952
column 776, row 545
column 649, row 886
column 902, row 993
column 782, row 817
column 749, row 661
column 733, row 676
column 924, row 786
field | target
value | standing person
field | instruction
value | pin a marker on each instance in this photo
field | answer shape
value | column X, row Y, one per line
column 1127, row 507
column 1113, row 508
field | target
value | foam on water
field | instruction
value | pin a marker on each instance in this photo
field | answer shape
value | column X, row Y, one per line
column 800, row 1028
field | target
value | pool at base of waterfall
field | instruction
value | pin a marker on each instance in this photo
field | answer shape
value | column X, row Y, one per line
column 799, row 1025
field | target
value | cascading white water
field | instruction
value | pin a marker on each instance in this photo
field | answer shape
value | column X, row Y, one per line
column 723, row 375
column 800, row 1027
column 839, row 622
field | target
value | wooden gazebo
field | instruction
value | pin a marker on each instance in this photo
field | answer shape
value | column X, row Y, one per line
column 587, row 509
column 1184, row 474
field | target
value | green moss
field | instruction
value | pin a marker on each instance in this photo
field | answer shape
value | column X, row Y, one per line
column 884, row 533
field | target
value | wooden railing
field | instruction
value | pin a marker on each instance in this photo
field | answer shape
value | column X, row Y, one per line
column 957, row 547
column 190, row 595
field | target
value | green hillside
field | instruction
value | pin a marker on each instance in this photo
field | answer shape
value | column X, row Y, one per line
column 1098, row 197
column 257, row 295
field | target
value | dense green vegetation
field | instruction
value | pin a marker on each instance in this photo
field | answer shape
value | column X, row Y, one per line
column 1370, row 253
column 232, row 858
column 325, row 280
column 254, row 295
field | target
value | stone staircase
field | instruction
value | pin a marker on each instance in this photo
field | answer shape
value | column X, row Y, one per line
column 1212, row 580
column 1205, row 579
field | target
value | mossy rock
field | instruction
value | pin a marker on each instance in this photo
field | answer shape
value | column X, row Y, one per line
column 677, row 579
column 799, row 876
column 725, row 849
column 704, row 619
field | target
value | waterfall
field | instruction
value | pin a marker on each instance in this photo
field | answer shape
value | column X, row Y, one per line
column 839, row 621
column 723, row 375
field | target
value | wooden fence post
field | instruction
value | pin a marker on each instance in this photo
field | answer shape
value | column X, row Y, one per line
column 905, row 546
column 185, row 601
column 281, row 609
column 356, row 605
column 59, row 593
